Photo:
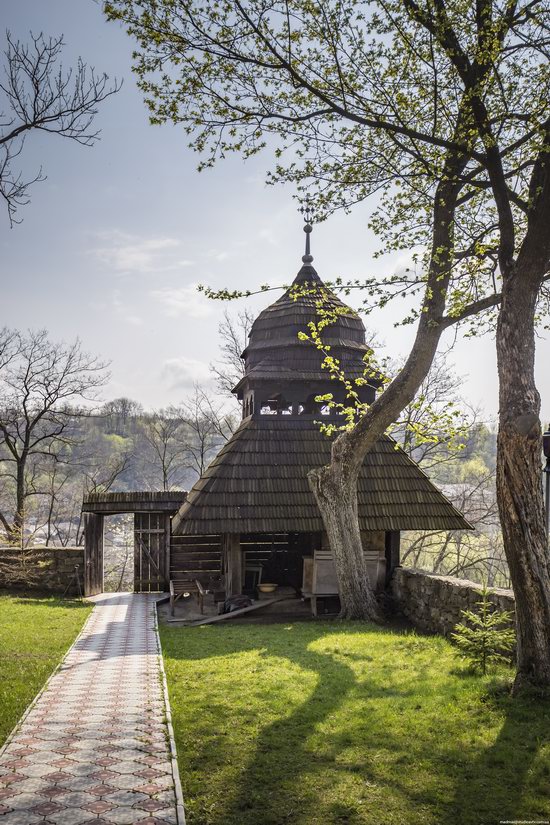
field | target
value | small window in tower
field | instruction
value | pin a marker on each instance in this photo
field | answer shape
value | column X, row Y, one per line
column 269, row 407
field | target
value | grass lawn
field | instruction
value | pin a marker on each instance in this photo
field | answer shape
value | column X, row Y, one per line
column 35, row 633
column 318, row 724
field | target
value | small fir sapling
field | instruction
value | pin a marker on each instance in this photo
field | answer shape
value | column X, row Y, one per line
column 485, row 637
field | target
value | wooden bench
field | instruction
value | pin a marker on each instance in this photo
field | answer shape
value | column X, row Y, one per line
column 178, row 589
column 182, row 587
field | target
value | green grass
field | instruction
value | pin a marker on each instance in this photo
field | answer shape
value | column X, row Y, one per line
column 35, row 633
column 325, row 724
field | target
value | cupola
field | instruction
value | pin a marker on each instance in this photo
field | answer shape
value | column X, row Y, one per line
column 284, row 374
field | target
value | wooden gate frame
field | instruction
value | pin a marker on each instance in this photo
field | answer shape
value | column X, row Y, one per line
column 96, row 506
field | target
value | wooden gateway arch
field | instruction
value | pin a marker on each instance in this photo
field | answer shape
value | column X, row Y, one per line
column 152, row 513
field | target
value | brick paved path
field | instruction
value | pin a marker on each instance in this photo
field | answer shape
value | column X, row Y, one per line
column 95, row 747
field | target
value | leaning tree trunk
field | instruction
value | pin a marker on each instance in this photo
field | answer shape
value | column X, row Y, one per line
column 519, row 478
column 335, row 490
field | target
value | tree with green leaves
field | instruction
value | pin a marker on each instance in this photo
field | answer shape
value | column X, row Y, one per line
column 439, row 108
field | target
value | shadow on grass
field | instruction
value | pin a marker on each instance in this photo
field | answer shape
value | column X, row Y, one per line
column 270, row 789
column 510, row 780
column 34, row 597
column 430, row 774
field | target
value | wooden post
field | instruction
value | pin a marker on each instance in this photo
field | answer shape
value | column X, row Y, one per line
column 393, row 540
column 167, row 538
column 233, row 561
column 93, row 554
column 138, row 562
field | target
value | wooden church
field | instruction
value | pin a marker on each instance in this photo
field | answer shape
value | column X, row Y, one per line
column 252, row 515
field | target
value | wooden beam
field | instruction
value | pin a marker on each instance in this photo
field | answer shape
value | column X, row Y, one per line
column 236, row 613
column 233, row 564
column 393, row 553
column 167, row 537
column 93, row 554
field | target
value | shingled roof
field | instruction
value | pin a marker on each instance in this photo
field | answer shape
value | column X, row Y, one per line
column 274, row 348
column 258, row 483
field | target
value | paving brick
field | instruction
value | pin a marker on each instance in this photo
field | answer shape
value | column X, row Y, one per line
column 126, row 816
column 150, row 805
column 100, row 806
column 21, row 818
column 7, row 793
column 76, row 799
column 47, row 808
column 51, row 791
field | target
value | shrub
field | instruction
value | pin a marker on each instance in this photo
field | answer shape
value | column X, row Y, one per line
column 485, row 637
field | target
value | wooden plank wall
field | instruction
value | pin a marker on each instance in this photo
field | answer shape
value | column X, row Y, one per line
column 259, row 547
column 195, row 557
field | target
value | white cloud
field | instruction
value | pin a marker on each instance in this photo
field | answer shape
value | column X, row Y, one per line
column 125, row 253
column 124, row 310
column 183, row 301
column 267, row 234
column 184, row 372
column 217, row 255
column 409, row 261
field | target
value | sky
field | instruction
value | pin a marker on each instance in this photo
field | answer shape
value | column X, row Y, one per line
column 115, row 241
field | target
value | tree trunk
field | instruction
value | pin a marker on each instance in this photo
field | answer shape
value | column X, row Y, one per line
column 519, row 477
column 336, row 496
column 335, row 486
column 18, row 533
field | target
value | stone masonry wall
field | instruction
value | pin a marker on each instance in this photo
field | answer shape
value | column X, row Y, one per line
column 434, row 603
column 56, row 568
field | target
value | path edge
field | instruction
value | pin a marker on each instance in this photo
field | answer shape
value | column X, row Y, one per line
column 46, row 684
column 180, row 807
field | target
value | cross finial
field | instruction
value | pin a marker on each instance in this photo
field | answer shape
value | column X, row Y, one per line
column 307, row 212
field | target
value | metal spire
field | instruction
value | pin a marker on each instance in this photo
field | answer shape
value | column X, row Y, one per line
column 308, row 229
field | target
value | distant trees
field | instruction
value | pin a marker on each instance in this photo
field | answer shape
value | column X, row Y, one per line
column 121, row 414
column 41, row 384
column 477, row 555
column 165, row 452
column 180, row 441
column 36, row 94
column 446, row 438
column 433, row 427
column 208, row 425
column 229, row 368
column 55, row 446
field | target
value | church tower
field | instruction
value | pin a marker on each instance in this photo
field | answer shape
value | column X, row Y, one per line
column 283, row 374
column 253, row 511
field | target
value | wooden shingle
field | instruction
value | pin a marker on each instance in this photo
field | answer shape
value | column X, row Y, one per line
column 258, row 484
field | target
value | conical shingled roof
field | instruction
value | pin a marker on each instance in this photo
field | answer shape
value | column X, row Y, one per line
column 275, row 349
column 258, row 484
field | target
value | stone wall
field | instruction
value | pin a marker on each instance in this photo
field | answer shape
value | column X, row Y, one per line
column 434, row 603
column 55, row 569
